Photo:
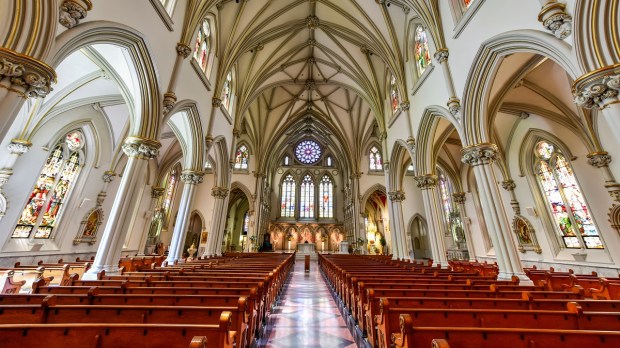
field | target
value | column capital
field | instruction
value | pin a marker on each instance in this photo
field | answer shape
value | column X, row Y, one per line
column 598, row 88
column 219, row 192
column 170, row 99
column 108, row 176
column 478, row 154
column 157, row 192
column 71, row 11
column 183, row 50
column 454, row 105
column 216, row 102
column 599, row 159
column 459, row 197
column 509, row 185
column 405, row 105
column 427, row 181
column 554, row 18
column 19, row 146
column 24, row 75
column 192, row 177
column 396, row 196
column 141, row 148
column 441, row 55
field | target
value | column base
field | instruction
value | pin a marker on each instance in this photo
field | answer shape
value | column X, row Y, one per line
column 93, row 272
column 523, row 279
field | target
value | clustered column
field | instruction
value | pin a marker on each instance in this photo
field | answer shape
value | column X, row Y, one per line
column 427, row 183
column 219, row 217
column 190, row 180
column 481, row 158
column 398, row 232
column 460, row 198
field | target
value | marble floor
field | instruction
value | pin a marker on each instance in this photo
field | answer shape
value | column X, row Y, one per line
column 307, row 315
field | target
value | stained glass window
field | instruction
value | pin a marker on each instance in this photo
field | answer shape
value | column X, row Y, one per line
column 422, row 53
column 308, row 152
column 306, row 203
column 242, row 157
column 329, row 161
column 374, row 157
column 201, row 50
column 394, row 94
column 246, row 222
column 564, row 198
column 326, row 197
column 227, row 91
column 287, row 208
column 446, row 197
column 51, row 190
column 467, row 3
column 171, row 184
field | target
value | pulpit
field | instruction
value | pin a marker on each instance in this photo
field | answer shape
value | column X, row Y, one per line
column 305, row 248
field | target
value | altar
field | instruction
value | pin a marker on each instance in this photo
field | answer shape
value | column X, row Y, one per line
column 305, row 248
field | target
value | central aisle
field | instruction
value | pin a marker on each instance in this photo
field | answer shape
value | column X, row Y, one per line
column 307, row 315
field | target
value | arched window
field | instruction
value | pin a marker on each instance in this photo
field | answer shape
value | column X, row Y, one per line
column 246, row 222
column 422, row 52
column 445, row 191
column 329, row 161
column 326, row 196
column 394, row 94
column 287, row 160
column 170, row 185
column 564, row 198
column 242, row 157
column 374, row 158
column 52, row 189
column 203, row 46
column 227, row 91
column 287, row 208
column 306, row 204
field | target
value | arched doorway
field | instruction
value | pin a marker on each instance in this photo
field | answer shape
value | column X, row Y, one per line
column 418, row 234
column 376, row 223
column 237, row 222
column 194, row 230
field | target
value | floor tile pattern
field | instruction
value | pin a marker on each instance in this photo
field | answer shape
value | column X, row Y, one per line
column 307, row 315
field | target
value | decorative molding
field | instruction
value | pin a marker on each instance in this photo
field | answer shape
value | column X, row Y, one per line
column 71, row 11
column 192, row 177
column 598, row 88
column 459, row 197
column 25, row 75
column 141, row 148
column 19, row 146
column 554, row 18
column 509, row 185
column 425, row 182
column 479, row 154
column 526, row 236
column 599, row 159
column 396, row 196
column 89, row 227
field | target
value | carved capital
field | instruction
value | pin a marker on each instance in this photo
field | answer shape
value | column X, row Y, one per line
column 192, row 177
column 479, row 154
column 108, row 176
column 19, row 146
column 71, row 11
column 441, row 55
column 598, row 88
column 183, row 50
column 141, row 148
column 396, row 196
column 405, row 105
column 169, row 100
column 555, row 19
column 426, row 182
column 454, row 106
column 157, row 192
column 599, row 159
column 219, row 192
column 509, row 185
column 216, row 102
column 459, row 197
column 25, row 75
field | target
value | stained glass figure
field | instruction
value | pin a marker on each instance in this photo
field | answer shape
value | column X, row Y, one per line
column 201, row 50
column 287, row 207
column 374, row 157
column 563, row 194
column 326, row 198
column 446, row 197
column 422, row 52
column 394, row 94
column 308, row 152
column 171, row 185
column 246, row 222
column 242, row 157
column 51, row 190
column 306, row 203
column 227, row 91
column 467, row 3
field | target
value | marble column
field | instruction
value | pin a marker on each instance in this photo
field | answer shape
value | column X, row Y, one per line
column 454, row 104
column 427, row 183
column 138, row 151
column 459, row 199
column 170, row 98
column 219, row 216
column 190, row 180
column 481, row 158
column 397, row 198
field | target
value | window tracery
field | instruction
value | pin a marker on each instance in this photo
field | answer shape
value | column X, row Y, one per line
column 287, row 208
column 242, row 157
column 306, row 204
column 422, row 52
column 227, row 91
column 394, row 94
column 326, row 197
column 203, row 46
column 308, row 152
column 375, row 160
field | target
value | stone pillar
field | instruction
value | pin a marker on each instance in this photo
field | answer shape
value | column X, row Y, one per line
column 481, row 158
column 427, row 183
column 138, row 151
column 454, row 104
column 358, row 232
column 71, row 11
column 190, row 180
column 156, row 193
column 219, row 216
column 17, row 147
column 555, row 19
column 459, row 198
column 170, row 98
column 397, row 198
column 21, row 77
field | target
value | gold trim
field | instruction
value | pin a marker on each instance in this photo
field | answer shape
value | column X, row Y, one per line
column 138, row 139
column 21, row 141
column 593, row 73
column 548, row 7
column 37, row 63
column 479, row 145
column 592, row 154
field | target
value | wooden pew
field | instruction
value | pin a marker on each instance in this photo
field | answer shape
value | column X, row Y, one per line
column 8, row 285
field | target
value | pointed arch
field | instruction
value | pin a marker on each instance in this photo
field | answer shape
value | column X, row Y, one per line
column 184, row 120
column 370, row 191
column 424, row 153
column 398, row 161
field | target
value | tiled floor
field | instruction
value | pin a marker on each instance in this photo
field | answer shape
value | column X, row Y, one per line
column 307, row 315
